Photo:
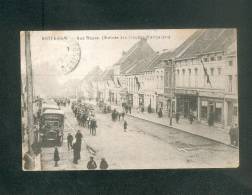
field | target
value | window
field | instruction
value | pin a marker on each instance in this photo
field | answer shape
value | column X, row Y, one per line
column 212, row 71
column 189, row 78
column 212, row 58
column 230, row 63
column 196, row 77
column 196, row 71
column 235, row 111
column 219, row 71
column 219, row 58
column 205, row 59
column 183, row 77
column 230, row 83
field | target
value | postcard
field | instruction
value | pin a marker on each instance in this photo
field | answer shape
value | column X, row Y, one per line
column 129, row 99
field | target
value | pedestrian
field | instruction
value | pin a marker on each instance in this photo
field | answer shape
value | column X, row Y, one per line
column 130, row 109
column 123, row 114
column 91, row 164
column 236, row 135
column 191, row 117
column 231, row 135
column 211, row 119
column 78, row 136
column 177, row 117
column 69, row 141
column 93, row 127
column 160, row 113
column 103, row 164
column 119, row 116
column 56, row 156
column 76, row 153
column 125, row 124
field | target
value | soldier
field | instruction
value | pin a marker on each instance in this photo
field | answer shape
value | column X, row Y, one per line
column 69, row 141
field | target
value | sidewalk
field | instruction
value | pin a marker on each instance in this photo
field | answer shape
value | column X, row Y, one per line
column 214, row 133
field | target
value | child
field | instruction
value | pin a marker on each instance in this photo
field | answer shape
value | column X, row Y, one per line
column 125, row 124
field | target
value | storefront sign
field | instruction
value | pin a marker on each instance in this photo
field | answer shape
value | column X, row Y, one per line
column 186, row 92
column 211, row 94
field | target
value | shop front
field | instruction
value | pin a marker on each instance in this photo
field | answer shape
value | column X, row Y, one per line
column 141, row 100
column 130, row 99
column 212, row 106
column 111, row 97
column 186, row 102
column 123, row 95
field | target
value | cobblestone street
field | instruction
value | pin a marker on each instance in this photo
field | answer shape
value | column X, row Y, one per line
column 145, row 145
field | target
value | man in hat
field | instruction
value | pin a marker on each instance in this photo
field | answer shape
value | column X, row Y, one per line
column 91, row 164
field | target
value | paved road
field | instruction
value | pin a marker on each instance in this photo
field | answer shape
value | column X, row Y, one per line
column 144, row 145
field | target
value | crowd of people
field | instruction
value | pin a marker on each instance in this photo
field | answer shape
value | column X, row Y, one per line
column 85, row 116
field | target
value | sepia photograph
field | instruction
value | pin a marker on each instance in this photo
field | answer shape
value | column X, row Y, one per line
column 129, row 99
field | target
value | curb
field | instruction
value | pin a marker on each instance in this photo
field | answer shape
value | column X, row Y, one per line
column 179, row 129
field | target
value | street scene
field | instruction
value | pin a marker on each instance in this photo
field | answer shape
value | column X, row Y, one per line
column 129, row 99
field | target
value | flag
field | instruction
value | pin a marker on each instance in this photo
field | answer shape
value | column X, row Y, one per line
column 138, row 83
column 119, row 82
column 206, row 73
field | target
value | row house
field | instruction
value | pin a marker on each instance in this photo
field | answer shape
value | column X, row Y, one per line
column 88, row 85
column 199, row 76
column 127, row 76
column 206, row 76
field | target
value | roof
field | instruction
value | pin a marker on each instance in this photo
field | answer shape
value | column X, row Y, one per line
column 137, row 52
column 107, row 74
column 50, row 106
column 206, row 41
column 50, row 111
column 155, row 62
column 93, row 75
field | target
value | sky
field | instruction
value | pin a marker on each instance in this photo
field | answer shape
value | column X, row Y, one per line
column 97, row 48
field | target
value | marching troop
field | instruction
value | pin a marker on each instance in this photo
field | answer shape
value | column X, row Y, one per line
column 84, row 113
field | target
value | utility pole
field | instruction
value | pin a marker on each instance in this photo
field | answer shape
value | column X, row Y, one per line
column 29, row 86
column 172, row 88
